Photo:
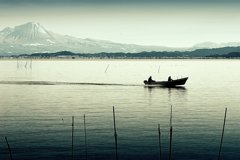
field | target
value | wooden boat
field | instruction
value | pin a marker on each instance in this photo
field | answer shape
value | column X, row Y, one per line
column 172, row 83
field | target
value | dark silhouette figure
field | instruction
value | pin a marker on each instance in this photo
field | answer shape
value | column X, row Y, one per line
column 150, row 79
column 169, row 78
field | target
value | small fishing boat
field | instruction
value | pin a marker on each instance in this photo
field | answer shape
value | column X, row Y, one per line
column 171, row 83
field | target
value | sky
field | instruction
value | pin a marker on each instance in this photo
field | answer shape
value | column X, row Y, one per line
column 173, row 23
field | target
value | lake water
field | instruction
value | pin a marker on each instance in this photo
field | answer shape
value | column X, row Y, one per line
column 36, row 117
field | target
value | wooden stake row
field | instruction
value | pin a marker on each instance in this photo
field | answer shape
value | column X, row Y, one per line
column 116, row 140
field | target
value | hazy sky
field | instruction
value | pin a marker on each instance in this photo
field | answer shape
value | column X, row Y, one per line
column 176, row 23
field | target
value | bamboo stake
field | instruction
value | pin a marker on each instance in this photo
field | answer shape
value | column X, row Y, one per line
column 106, row 69
column 85, row 131
column 115, row 134
column 72, row 134
column 222, row 134
column 26, row 64
column 159, row 142
column 17, row 64
column 171, row 130
column 158, row 68
column 31, row 64
column 9, row 149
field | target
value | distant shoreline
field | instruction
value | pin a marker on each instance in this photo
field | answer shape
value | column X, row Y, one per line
column 215, row 53
column 128, row 59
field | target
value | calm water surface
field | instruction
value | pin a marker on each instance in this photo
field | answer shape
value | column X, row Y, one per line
column 37, row 118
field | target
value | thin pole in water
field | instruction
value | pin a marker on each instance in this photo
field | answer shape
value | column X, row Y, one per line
column 31, row 64
column 85, row 131
column 222, row 134
column 171, row 130
column 115, row 133
column 159, row 142
column 17, row 64
column 158, row 68
column 9, row 149
column 106, row 68
column 72, row 134
column 26, row 64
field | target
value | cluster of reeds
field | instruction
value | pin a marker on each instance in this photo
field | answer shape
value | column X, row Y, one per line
column 26, row 65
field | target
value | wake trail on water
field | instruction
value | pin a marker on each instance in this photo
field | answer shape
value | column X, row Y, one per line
column 64, row 83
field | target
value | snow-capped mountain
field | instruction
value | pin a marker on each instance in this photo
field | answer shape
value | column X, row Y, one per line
column 29, row 32
column 32, row 37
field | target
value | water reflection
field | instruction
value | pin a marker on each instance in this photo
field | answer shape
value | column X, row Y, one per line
column 170, row 94
column 150, row 88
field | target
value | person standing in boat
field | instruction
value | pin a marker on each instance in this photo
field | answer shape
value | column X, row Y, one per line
column 169, row 79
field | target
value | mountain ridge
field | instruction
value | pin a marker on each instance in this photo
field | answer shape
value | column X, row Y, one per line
column 32, row 37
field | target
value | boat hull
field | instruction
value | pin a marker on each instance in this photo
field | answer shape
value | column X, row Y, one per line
column 172, row 83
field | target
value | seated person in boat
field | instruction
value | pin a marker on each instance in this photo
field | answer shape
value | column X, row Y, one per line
column 150, row 79
column 169, row 79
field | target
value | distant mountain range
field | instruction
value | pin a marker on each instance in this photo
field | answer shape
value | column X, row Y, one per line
column 32, row 37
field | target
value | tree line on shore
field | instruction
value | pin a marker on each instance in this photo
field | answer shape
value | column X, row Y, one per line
column 226, row 52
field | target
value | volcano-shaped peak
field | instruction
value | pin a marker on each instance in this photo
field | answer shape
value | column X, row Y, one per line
column 29, row 32
column 32, row 37
column 30, row 28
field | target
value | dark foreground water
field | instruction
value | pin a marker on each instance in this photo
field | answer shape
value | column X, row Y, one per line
column 36, row 109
